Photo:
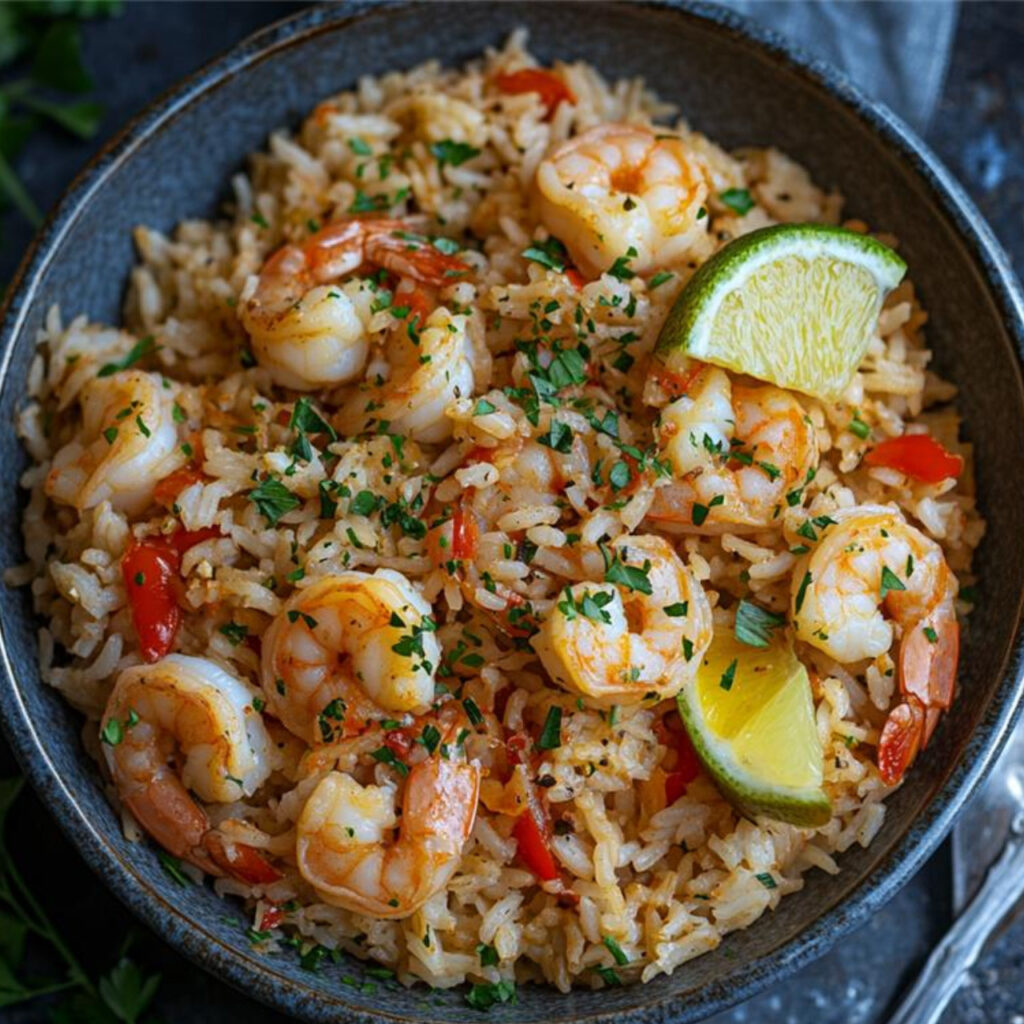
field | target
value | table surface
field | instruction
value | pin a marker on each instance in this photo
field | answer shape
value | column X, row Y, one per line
column 978, row 130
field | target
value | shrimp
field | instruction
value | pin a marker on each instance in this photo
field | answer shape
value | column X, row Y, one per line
column 871, row 578
column 736, row 450
column 190, row 710
column 308, row 332
column 428, row 369
column 645, row 633
column 343, row 844
column 348, row 648
column 127, row 444
column 620, row 188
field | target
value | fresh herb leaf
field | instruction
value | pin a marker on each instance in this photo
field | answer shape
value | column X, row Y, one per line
column 551, row 733
column 754, row 624
column 453, row 153
column 890, row 582
column 143, row 347
column 273, row 500
column 739, row 200
column 551, row 254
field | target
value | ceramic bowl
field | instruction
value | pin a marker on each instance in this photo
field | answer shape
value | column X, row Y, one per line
column 740, row 85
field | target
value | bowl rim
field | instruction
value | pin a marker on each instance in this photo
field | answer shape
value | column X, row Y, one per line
column 258, row 976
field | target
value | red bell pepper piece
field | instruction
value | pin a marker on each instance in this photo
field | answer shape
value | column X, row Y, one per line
column 548, row 86
column 686, row 770
column 916, row 455
column 464, row 534
column 167, row 490
column 532, row 836
column 151, row 570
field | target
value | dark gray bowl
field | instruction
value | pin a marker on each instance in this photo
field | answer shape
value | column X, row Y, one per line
column 742, row 86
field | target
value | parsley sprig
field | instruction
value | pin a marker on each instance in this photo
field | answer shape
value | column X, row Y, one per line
column 121, row 995
column 46, row 38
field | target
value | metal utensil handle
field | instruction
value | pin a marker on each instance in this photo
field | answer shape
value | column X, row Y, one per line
column 957, row 953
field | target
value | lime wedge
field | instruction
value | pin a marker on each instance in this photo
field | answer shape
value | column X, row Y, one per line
column 793, row 304
column 750, row 716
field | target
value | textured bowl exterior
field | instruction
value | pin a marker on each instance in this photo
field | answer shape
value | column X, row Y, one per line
column 742, row 86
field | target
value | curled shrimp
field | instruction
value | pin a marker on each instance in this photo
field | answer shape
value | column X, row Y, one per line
column 620, row 187
column 309, row 332
column 188, row 710
column 127, row 444
column 428, row 369
column 736, row 451
column 346, row 649
column 872, row 578
column 344, row 847
column 619, row 642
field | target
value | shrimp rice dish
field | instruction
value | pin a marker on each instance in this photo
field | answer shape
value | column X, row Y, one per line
column 513, row 541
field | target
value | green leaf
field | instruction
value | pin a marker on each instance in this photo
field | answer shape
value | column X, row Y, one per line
column 127, row 992
column 143, row 347
column 9, row 790
column 754, row 624
column 890, row 582
column 58, row 59
column 273, row 500
column 551, row 734
column 82, row 1008
column 12, row 940
column 449, row 152
column 81, row 119
column 15, row 34
column 483, row 997
column 551, row 254
column 12, row 189
column 629, row 576
column 739, row 200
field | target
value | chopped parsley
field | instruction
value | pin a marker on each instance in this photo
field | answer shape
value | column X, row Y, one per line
column 802, row 591
column 484, row 996
column 728, row 676
column 454, row 153
column 235, row 632
column 767, row 880
column 628, row 576
column 858, row 426
column 620, row 268
column 551, row 733
column 385, row 755
column 739, row 200
column 143, row 347
column 615, row 949
column 660, row 278
column 700, row 512
column 551, row 254
column 890, row 582
column 754, row 624
column 273, row 500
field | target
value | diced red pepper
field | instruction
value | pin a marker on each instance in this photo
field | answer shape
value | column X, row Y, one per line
column 548, row 86
column 686, row 770
column 517, row 744
column 464, row 534
column 151, row 570
column 532, row 836
column 167, row 490
column 398, row 742
column 182, row 540
column 271, row 917
column 576, row 279
column 916, row 455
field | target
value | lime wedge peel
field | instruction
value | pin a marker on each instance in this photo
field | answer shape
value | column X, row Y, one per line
column 758, row 738
column 794, row 304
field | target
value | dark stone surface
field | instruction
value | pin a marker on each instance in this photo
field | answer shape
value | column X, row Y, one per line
column 978, row 130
